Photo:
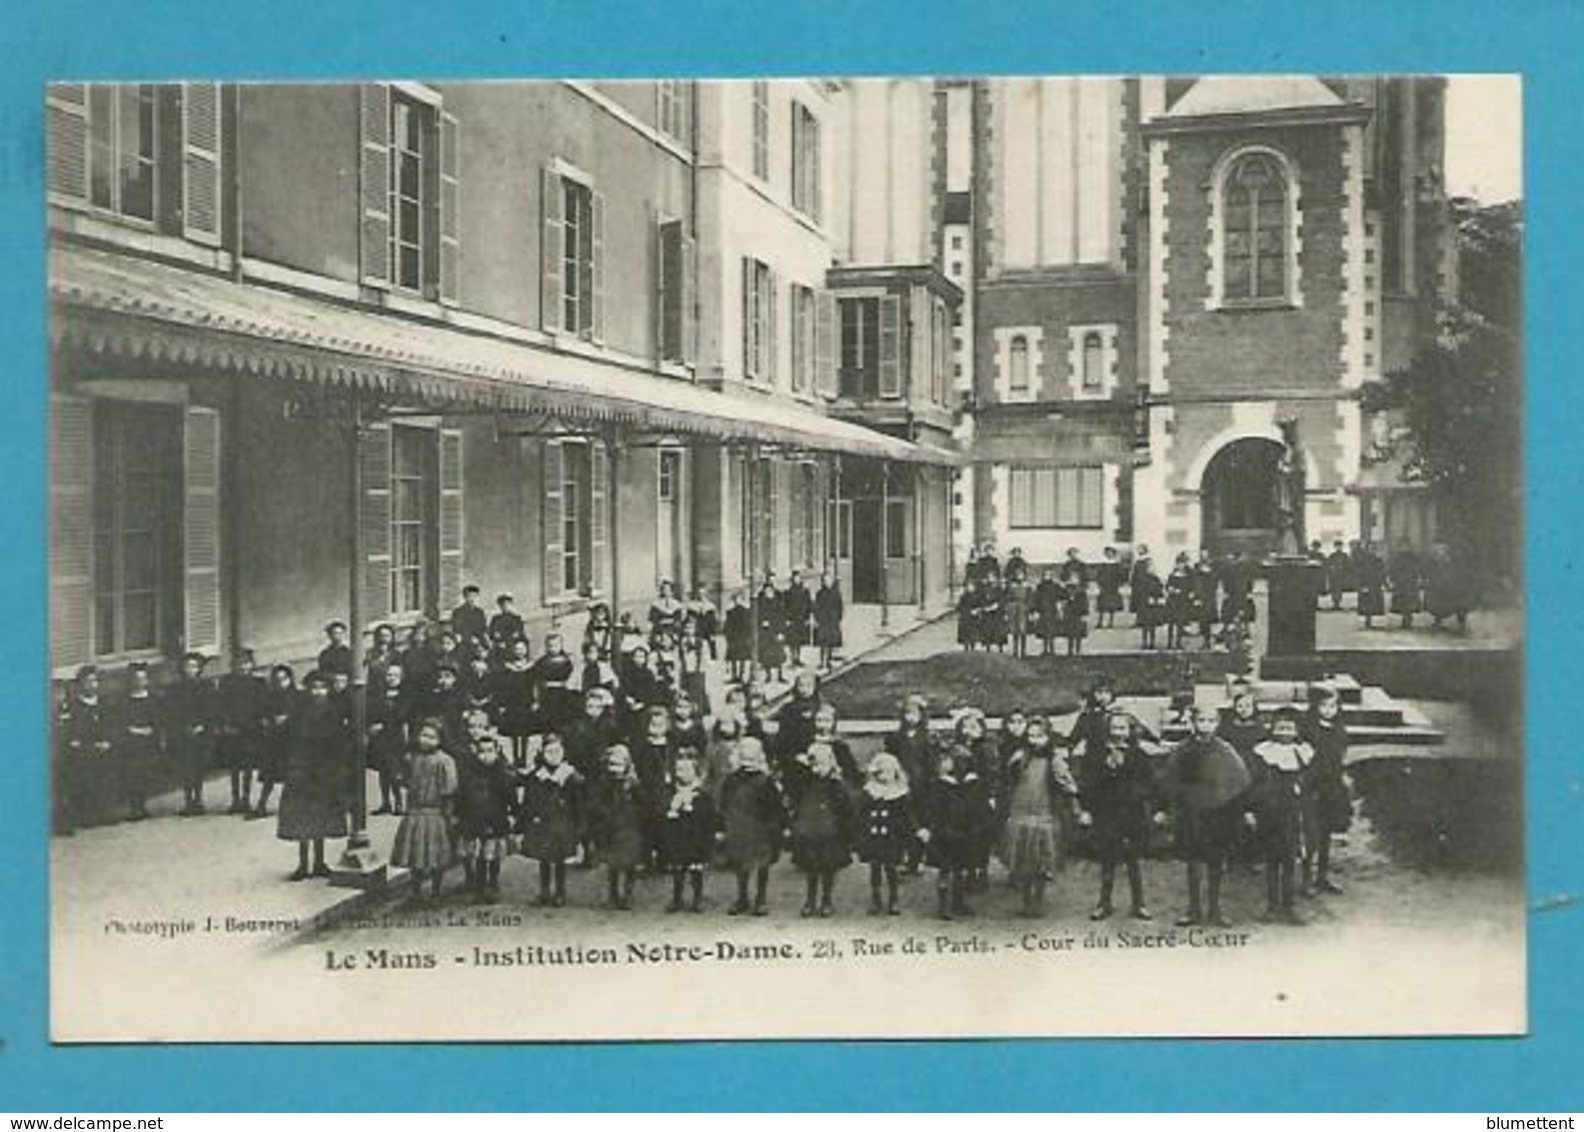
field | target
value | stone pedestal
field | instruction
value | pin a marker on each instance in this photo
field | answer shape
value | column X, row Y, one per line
column 360, row 866
column 1293, row 586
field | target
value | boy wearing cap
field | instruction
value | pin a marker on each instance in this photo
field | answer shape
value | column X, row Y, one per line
column 467, row 619
column 337, row 655
column 1279, row 808
column 189, row 730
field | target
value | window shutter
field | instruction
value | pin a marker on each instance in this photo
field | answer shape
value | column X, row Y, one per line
column 71, row 531
column 374, row 184
column 450, row 208
column 670, row 295
column 599, row 515
column 921, row 344
column 662, row 298
column 890, row 346
column 689, row 301
column 749, row 363
column 66, row 105
column 451, row 518
column 773, row 470
column 825, row 377
column 597, row 269
column 374, row 513
column 552, row 251
column 771, row 339
column 201, row 542
column 552, row 521
column 200, row 121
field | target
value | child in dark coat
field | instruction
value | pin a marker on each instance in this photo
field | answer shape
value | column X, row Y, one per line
column 1114, row 788
column 1279, row 807
column 822, row 828
column 956, row 817
column 549, row 819
column 1330, row 807
column 751, row 817
column 687, row 834
column 388, row 713
column 617, row 806
column 486, row 804
column 280, row 710
column 240, row 696
column 137, row 742
column 87, row 782
column 828, row 609
column 513, row 695
column 189, row 729
column 739, row 639
column 318, row 775
column 1109, row 579
column 887, row 830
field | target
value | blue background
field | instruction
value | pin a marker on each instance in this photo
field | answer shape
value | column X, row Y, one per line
column 110, row 39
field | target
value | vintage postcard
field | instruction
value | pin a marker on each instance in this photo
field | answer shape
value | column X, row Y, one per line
column 843, row 557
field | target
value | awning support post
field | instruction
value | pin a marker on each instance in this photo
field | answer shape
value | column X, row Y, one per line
column 613, row 467
column 360, row 865
column 750, row 497
column 885, row 544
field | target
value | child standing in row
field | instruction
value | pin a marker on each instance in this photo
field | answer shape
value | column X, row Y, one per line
column 549, row 822
column 887, row 831
column 423, row 840
column 1040, row 790
column 957, row 819
column 1115, row 788
column 1280, row 810
column 822, row 828
column 619, row 825
column 751, row 816
column 687, row 835
column 486, row 803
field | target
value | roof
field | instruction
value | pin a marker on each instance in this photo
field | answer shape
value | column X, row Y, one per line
column 1252, row 94
column 116, row 304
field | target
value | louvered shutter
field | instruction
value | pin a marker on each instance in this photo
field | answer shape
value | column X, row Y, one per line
column 71, row 531
column 553, row 549
column 921, row 344
column 662, row 296
column 773, row 470
column 374, row 182
column 689, row 301
column 671, row 296
column 771, row 338
column 451, row 518
column 450, row 280
column 825, row 371
column 890, row 346
column 750, row 366
column 66, row 107
column 599, row 515
column 201, row 531
column 374, row 514
column 597, row 266
column 200, row 119
column 552, row 252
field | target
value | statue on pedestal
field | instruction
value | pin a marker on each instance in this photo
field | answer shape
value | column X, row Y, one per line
column 1289, row 488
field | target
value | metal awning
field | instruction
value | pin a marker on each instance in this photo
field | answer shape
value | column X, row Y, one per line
column 114, row 304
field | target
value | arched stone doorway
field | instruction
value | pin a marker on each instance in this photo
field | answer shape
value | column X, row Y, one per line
column 1237, row 497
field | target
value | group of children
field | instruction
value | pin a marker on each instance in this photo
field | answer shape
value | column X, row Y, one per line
column 1402, row 585
column 486, row 752
column 1001, row 607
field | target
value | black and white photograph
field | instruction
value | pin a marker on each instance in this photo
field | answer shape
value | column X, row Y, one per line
column 844, row 557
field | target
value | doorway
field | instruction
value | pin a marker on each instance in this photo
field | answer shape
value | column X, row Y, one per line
column 866, row 560
column 1238, row 498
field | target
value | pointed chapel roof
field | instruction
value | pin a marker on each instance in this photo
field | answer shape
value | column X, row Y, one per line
column 1252, row 94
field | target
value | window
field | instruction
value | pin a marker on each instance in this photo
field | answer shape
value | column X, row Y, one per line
column 410, row 130
column 761, row 130
column 805, row 161
column 756, row 514
column 1018, row 368
column 956, row 243
column 137, row 527
column 1254, row 193
column 1056, row 498
column 806, row 517
column 896, row 528
column 576, row 518
column 860, row 348
column 671, row 109
column 577, row 257
column 120, row 148
column 670, row 472
column 1094, row 362
column 758, row 321
column 803, row 343
column 413, row 489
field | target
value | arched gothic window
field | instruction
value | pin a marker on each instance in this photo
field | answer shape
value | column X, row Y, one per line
column 1254, row 209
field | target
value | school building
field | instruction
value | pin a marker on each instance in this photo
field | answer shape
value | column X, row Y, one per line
column 1166, row 270
column 318, row 349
